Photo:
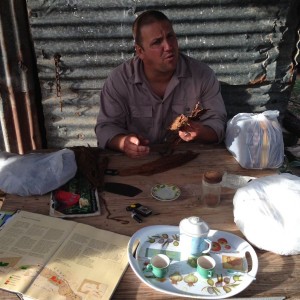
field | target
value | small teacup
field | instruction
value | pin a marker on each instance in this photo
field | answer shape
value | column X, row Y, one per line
column 205, row 266
column 159, row 265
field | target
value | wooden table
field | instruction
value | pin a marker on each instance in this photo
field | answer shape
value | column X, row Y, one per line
column 277, row 275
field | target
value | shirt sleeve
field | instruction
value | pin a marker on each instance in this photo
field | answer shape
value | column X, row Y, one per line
column 212, row 100
column 111, row 119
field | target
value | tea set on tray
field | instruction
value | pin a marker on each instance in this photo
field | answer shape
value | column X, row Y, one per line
column 191, row 260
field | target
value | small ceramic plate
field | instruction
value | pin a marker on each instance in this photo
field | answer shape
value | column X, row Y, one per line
column 165, row 192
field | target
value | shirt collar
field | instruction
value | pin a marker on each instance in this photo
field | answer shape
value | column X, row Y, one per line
column 138, row 76
column 183, row 69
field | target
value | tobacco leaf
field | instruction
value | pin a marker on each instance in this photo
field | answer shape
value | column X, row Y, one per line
column 160, row 165
column 179, row 123
column 91, row 164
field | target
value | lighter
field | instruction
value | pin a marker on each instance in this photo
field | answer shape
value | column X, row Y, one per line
column 136, row 217
column 139, row 209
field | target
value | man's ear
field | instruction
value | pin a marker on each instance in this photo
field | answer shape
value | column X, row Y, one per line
column 139, row 51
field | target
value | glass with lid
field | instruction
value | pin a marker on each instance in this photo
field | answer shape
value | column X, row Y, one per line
column 211, row 188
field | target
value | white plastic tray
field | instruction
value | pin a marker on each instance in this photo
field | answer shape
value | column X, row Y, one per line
column 232, row 274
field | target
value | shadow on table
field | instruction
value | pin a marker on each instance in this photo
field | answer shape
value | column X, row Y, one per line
column 273, row 271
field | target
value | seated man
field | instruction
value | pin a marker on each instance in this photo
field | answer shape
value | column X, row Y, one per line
column 141, row 97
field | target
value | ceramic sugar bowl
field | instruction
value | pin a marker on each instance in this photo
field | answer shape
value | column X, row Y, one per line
column 193, row 237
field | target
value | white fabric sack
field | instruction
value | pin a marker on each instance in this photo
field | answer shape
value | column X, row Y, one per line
column 36, row 173
column 267, row 212
column 256, row 140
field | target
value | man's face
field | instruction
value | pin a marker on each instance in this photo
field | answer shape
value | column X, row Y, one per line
column 159, row 50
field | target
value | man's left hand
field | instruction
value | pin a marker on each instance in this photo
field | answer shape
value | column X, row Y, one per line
column 196, row 131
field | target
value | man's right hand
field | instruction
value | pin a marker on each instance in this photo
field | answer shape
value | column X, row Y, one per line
column 132, row 145
column 136, row 146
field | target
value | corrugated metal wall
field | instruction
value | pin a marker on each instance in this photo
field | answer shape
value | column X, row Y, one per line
column 249, row 43
column 20, row 118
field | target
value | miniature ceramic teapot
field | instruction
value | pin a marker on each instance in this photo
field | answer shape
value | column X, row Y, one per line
column 193, row 237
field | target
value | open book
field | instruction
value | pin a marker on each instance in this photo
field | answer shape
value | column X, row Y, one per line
column 42, row 257
column 5, row 216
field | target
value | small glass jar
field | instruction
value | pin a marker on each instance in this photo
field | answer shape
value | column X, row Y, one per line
column 211, row 188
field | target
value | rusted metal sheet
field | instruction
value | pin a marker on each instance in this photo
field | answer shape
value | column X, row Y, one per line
column 248, row 43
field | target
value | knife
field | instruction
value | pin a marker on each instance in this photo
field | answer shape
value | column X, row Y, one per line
column 112, row 172
column 121, row 189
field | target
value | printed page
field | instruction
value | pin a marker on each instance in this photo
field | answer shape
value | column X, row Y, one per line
column 27, row 242
column 88, row 266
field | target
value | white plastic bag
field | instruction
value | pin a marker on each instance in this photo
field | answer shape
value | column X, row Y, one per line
column 256, row 140
column 266, row 211
column 36, row 173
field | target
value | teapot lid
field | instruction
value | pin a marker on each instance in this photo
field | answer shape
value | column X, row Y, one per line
column 193, row 226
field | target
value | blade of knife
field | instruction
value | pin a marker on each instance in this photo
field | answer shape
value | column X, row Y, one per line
column 121, row 189
column 112, row 172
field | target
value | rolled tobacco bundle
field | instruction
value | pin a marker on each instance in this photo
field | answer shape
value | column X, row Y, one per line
column 180, row 123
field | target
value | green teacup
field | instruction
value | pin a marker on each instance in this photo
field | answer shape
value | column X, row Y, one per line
column 159, row 265
column 205, row 266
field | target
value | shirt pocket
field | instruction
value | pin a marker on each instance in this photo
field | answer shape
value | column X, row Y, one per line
column 141, row 119
column 172, row 113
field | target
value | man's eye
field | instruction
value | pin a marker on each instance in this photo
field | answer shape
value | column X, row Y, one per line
column 157, row 42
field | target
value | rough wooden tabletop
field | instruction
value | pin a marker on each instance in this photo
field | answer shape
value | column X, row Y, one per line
column 278, row 276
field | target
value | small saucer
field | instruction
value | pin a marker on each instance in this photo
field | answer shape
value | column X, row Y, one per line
column 165, row 192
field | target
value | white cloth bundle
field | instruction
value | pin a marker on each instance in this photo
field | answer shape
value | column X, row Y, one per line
column 267, row 211
column 36, row 173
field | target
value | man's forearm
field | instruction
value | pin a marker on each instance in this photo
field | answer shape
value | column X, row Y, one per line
column 207, row 134
column 197, row 131
column 117, row 142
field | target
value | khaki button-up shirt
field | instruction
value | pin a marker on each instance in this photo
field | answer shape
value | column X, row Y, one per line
column 128, row 105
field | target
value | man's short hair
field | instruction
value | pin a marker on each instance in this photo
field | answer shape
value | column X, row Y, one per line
column 146, row 18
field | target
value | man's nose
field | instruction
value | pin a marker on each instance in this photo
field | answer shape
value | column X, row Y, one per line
column 167, row 45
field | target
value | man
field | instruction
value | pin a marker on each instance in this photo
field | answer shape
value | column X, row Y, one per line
column 142, row 96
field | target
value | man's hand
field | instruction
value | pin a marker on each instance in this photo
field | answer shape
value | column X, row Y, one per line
column 132, row 145
column 196, row 131
column 135, row 146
